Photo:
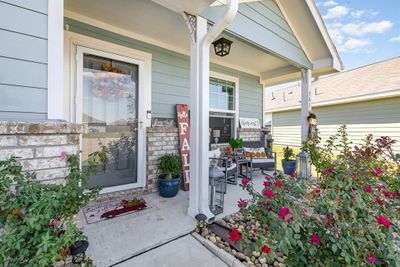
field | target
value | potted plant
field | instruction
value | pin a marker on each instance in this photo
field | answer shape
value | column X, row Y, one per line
column 288, row 161
column 236, row 143
column 169, row 174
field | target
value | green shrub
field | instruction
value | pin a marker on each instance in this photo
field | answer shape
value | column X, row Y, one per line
column 349, row 217
column 169, row 166
column 37, row 218
column 288, row 153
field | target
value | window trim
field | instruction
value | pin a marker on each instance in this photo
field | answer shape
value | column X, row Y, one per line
column 235, row 80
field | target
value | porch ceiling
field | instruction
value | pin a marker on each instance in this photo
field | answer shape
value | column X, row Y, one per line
column 153, row 23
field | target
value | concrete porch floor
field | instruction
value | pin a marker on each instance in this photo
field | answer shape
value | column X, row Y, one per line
column 128, row 240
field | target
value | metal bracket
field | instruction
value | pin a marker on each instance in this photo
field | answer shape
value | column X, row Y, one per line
column 191, row 22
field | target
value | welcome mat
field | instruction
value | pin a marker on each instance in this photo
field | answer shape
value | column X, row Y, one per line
column 109, row 210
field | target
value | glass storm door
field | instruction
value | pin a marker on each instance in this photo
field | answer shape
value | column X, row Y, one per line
column 110, row 119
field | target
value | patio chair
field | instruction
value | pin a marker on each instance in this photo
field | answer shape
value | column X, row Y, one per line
column 230, row 172
column 264, row 164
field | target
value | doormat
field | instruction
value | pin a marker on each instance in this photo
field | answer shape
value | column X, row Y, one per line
column 109, row 210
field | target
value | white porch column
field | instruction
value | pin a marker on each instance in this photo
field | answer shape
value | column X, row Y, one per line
column 306, row 77
column 199, row 124
column 199, row 106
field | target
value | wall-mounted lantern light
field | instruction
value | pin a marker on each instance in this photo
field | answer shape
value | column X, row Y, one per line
column 222, row 47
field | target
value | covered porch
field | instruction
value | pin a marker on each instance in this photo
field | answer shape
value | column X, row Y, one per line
column 171, row 43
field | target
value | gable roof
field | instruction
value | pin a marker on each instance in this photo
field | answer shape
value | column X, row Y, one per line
column 381, row 79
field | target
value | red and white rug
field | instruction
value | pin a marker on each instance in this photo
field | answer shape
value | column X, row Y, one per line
column 109, row 210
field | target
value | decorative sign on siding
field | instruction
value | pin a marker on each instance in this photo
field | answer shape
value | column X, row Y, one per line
column 182, row 112
column 249, row 123
column 163, row 122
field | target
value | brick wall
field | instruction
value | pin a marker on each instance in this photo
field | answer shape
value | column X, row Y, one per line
column 39, row 145
column 250, row 134
column 160, row 141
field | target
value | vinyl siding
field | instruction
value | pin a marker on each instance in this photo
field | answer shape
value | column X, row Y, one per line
column 378, row 117
column 23, row 57
column 270, row 30
column 170, row 75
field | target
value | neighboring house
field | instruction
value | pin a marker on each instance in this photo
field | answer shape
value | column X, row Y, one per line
column 366, row 100
column 96, row 75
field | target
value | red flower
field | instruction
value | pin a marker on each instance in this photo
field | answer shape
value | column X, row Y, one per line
column 315, row 239
column 267, row 183
column 234, row 236
column 242, row 203
column 317, row 191
column 379, row 201
column 328, row 171
column 245, row 181
column 390, row 194
column 265, row 249
column 293, row 174
column 376, row 172
column 368, row 189
column 278, row 184
column 355, row 178
column 371, row 258
column 268, row 193
column 283, row 212
column 384, row 221
column 380, row 187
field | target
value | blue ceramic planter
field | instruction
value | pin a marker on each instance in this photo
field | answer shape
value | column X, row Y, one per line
column 169, row 187
column 289, row 166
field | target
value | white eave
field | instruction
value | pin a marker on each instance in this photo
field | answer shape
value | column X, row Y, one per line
column 306, row 22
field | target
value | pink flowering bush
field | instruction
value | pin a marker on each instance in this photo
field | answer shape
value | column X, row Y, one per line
column 347, row 217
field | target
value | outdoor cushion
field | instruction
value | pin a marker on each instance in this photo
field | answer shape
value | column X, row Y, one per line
column 258, row 152
column 232, row 167
column 213, row 155
column 264, row 160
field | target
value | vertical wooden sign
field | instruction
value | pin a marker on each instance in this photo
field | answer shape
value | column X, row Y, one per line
column 182, row 112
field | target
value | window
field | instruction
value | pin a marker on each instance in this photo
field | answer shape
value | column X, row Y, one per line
column 222, row 94
column 223, row 109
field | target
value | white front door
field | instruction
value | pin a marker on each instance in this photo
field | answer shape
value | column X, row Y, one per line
column 107, row 105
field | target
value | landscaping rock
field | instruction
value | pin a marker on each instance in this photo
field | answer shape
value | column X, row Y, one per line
column 240, row 256
column 204, row 233
column 212, row 239
column 262, row 260
column 279, row 259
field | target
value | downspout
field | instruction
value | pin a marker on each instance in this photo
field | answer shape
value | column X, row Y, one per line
column 204, row 68
column 220, row 26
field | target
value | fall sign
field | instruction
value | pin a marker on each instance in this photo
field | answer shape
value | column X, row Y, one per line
column 184, row 138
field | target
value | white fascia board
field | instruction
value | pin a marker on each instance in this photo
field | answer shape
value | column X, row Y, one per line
column 347, row 100
column 337, row 63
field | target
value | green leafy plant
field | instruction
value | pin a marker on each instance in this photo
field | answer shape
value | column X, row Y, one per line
column 37, row 218
column 288, row 153
column 348, row 217
column 235, row 143
column 169, row 166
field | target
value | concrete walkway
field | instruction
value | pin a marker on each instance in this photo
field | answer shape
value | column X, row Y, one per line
column 115, row 240
column 183, row 252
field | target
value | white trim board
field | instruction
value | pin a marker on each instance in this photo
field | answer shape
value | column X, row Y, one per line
column 75, row 45
column 55, row 75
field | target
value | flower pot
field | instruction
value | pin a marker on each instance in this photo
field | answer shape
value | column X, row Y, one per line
column 289, row 166
column 169, row 187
